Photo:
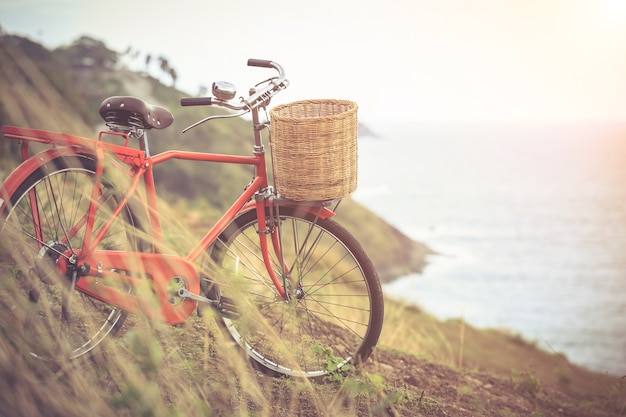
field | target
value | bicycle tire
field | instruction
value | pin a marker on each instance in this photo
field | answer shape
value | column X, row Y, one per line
column 44, row 318
column 334, row 320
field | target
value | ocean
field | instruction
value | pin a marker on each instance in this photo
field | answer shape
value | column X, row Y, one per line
column 528, row 220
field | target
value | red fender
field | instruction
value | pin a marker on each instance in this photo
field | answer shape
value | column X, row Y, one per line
column 312, row 208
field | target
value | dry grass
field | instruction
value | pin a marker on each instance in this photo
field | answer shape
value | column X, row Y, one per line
column 151, row 369
column 194, row 369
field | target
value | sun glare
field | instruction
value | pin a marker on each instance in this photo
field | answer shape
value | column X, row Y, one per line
column 613, row 11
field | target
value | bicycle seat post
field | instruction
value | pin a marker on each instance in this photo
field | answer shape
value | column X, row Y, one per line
column 143, row 144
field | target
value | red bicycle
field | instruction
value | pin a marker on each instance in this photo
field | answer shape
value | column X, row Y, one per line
column 82, row 247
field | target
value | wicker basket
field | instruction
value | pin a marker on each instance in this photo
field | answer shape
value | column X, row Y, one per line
column 314, row 149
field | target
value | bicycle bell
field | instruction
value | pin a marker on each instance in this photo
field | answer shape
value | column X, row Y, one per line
column 224, row 90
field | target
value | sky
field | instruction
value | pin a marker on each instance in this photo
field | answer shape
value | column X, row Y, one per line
column 421, row 60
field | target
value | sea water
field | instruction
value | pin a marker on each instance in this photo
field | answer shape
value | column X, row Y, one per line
column 529, row 222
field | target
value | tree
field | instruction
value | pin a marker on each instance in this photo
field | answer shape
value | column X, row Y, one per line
column 164, row 64
column 86, row 51
column 148, row 60
column 174, row 76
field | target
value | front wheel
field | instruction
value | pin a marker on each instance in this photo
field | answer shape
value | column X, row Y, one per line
column 334, row 313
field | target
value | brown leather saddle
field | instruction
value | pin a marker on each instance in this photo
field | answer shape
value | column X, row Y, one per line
column 134, row 112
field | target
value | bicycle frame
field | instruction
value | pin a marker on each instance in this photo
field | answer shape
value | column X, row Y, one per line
column 160, row 268
column 83, row 242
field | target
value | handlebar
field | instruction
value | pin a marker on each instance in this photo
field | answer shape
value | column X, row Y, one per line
column 196, row 101
column 256, row 99
column 260, row 63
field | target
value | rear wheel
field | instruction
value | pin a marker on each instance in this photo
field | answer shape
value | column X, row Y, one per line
column 43, row 222
column 334, row 313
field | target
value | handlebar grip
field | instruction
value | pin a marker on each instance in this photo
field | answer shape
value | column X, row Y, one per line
column 196, row 101
column 260, row 63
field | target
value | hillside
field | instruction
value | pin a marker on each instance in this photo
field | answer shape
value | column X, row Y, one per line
column 422, row 366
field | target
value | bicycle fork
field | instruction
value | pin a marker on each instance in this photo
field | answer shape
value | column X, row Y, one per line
column 271, row 226
column 291, row 285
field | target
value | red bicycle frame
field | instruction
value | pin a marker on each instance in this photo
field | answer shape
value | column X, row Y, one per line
column 139, row 165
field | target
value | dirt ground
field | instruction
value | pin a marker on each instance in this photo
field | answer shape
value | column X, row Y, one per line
column 441, row 391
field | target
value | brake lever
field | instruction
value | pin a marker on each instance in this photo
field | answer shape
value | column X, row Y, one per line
column 216, row 116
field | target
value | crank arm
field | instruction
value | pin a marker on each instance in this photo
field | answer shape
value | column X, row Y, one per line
column 184, row 293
